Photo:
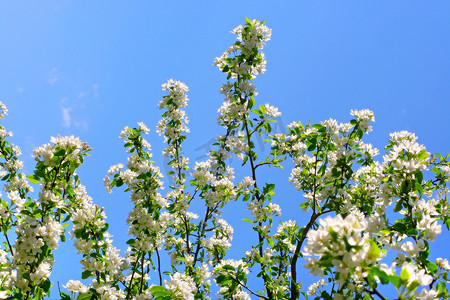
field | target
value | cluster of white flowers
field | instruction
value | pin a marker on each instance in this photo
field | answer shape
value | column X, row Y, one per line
column 262, row 210
column 220, row 190
column 286, row 234
column 4, row 133
column 406, row 155
column 246, row 183
column 344, row 242
column 250, row 36
column 223, row 235
column 95, row 243
column 76, row 286
column 174, row 121
column 182, row 285
column 237, row 144
column 3, row 110
column 32, row 237
column 202, row 173
column 272, row 111
column 428, row 221
column 231, row 269
column 240, row 62
column 412, row 275
column 68, row 147
column 313, row 287
column 364, row 116
column 255, row 37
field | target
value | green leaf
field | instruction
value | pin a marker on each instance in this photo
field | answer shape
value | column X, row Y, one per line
column 320, row 127
column 404, row 274
column 86, row 274
column 268, row 189
column 419, row 177
column 251, row 102
column 262, row 108
column 374, row 251
column 33, row 178
column 432, row 267
column 60, row 152
column 228, row 267
column 64, row 296
column 46, row 285
column 384, row 278
column 423, row 154
column 247, row 220
column 159, row 291
column 413, row 286
column 395, row 280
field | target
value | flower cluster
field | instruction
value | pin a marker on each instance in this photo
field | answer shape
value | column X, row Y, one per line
column 242, row 61
column 174, row 122
column 341, row 243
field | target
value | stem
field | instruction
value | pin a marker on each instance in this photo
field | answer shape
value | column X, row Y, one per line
column 7, row 239
column 260, row 237
column 142, row 272
column 375, row 292
column 202, row 233
column 187, row 235
column 248, row 289
column 159, row 266
column 131, row 280
column 294, row 291
column 262, row 163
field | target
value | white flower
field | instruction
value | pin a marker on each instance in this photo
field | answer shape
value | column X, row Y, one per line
column 313, row 287
column 76, row 287
column 443, row 263
column 143, row 127
column 3, row 110
column 272, row 110
column 416, row 274
column 182, row 285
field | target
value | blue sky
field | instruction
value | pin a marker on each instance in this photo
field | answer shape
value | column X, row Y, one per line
column 90, row 68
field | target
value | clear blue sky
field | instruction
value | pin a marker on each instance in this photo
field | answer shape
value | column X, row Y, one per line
column 89, row 68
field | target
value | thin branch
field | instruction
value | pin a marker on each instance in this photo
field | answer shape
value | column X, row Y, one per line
column 142, row 272
column 294, row 291
column 375, row 292
column 7, row 239
column 262, row 163
column 248, row 289
column 131, row 280
column 260, row 237
column 159, row 266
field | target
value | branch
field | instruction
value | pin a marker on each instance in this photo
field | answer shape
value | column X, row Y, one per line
column 159, row 266
column 142, row 272
column 7, row 239
column 248, row 289
column 263, row 163
column 294, row 291
column 375, row 292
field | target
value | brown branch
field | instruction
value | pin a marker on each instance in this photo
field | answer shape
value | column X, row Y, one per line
column 294, row 291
